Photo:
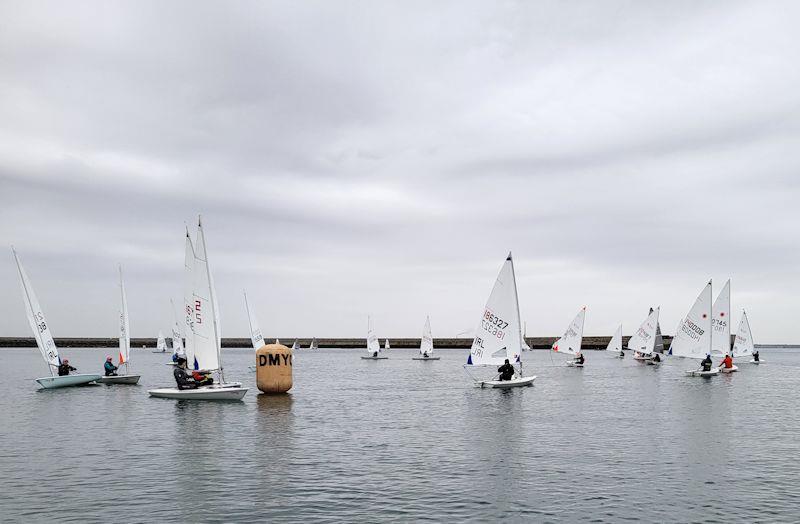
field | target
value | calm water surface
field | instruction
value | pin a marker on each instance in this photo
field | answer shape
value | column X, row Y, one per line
column 401, row 440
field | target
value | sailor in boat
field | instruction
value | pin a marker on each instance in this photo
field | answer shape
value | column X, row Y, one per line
column 110, row 368
column 506, row 371
column 425, row 354
column 621, row 354
column 202, row 377
column 64, row 368
column 656, row 358
column 707, row 363
column 374, row 354
column 755, row 355
column 579, row 359
column 727, row 362
column 184, row 379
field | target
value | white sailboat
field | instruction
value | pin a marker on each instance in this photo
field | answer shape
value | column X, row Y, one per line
column 314, row 344
column 615, row 344
column 721, row 328
column 386, row 346
column 643, row 342
column 570, row 342
column 525, row 346
column 693, row 338
column 188, row 299
column 177, row 337
column 498, row 335
column 206, row 334
column 124, row 342
column 373, row 344
column 743, row 345
column 161, row 343
column 426, row 343
column 256, row 338
column 44, row 339
column 295, row 345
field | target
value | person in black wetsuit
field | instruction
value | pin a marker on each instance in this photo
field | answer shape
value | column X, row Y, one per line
column 375, row 355
column 755, row 355
column 506, row 371
column 621, row 354
column 579, row 359
column 707, row 363
column 64, row 368
column 183, row 379
column 110, row 368
column 656, row 358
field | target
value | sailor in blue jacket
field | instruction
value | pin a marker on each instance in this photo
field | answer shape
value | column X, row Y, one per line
column 111, row 369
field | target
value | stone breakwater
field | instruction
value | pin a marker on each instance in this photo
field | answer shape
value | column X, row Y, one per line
column 328, row 343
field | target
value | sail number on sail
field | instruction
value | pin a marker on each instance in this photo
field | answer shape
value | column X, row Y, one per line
column 494, row 325
column 692, row 330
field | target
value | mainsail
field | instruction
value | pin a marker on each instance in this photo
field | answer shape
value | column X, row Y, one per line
column 373, row 344
column 39, row 326
column 426, row 342
column 644, row 340
column 721, row 327
column 615, row 344
column 743, row 345
column 386, row 345
column 177, row 338
column 206, row 322
column 498, row 336
column 255, row 333
column 161, row 342
column 188, row 299
column 570, row 342
column 124, row 326
column 314, row 344
column 693, row 338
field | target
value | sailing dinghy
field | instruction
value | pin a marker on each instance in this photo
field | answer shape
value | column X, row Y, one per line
column 721, row 328
column 314, row 344
column 124, row 342
column 615, row 344
column 161, row 344
column 570, row 342
column 693, row 338
column 295, row 345
column 205, row 335
column 426, row 343
column 256, row 338
column 498, row 337
column 525, row 346
column 643, row 342
column 743, row 345
column 44, row 339
column 373, row 344
column 177, row 337
column 386, row 346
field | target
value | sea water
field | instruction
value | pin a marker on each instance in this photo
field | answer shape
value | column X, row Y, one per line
column 402, row 440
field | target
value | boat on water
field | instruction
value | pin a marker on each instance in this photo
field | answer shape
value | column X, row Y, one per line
column 314, row 344
column 615, row 344
column 177, row 337
column 498, row 336
column 643, row 341
column 426, row 343
column 743, row 345
column 721, row 328
column 256, row 338
column 525, row 346
column 693, row 337
column 373, row 344
column 124, row 343
column 570, row 342
column 161, row 343
column 295, row 345
column 205, row 334
column 44, row 338
column 386, row 346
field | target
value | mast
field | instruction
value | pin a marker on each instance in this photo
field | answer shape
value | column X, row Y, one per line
column 710, row 320
column 213, row 299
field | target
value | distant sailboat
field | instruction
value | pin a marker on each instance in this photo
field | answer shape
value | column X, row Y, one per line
column 643, row 342
column 570, row 342
column 124, row 342
column 693, row 339
column 206, row 334
column 256, row 338
column 426, row 343
column 386, row 346
column 44, row 339
column 161, row 343
column 373, row 344
column 743, row 345
column 498, row 336
column 295, row 345
column 177, row 337
column 314, row 345
column 525, row 346
column 615, row 345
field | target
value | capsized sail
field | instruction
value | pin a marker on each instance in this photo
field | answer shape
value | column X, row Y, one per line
column 426, row 342
column 644, row 340
column 743, row 345
column 615, row 344
column 205, row 325
column 721, row 327
column 570, row 341
column 39, row 326
column 693, row 338
column 124, row 325
column 498, row 336
column 256, row 337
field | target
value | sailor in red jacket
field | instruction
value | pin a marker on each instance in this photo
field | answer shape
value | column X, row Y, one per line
column 727, row 362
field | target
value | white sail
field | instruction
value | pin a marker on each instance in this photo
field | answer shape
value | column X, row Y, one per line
column 314, row 344
column 523, row 342
column 373, row 344
column 721, row 326
column 295, row 345
column 570, row 341
column 498, row 335
column 426, row 342
column 124, row 325
column 161, row 342
column 743, row 345
column 177, row 337
column 206, row 325
column 615, row 344
column 255, row 333
column 188, row 300
column 386, row 345
column 39, row 326
column 644, row 340
column 693, row 338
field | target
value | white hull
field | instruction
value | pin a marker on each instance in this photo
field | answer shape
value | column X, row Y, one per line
column 506, row 384
column 66, row 381
column 158, row 351
column 374, row 358
column 730, row 369
column 226, row 392
column 120, row 379
column 698, row 373
column 573, row 364
column 761, row 361
column 425, row 358
column 171, row 364
column 643, row 358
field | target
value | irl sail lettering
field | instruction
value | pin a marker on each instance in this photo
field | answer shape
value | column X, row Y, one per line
column 274, row 360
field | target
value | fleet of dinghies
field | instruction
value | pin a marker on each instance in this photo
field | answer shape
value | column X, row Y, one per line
column 498, row 343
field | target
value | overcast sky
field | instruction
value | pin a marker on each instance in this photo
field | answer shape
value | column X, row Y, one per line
column 355, row 158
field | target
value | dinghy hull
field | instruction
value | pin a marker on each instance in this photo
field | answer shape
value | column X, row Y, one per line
column 120, row 379
column 424, row 358
column 507, row 384
column 374, row 358
column 227, row 392
column 699, row 373
column 573, row 364
column 730, row 369
column 66, row 381
column 757, row 361
column 643, row 358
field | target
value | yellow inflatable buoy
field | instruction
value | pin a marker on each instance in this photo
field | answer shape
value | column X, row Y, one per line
column 274, row 368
